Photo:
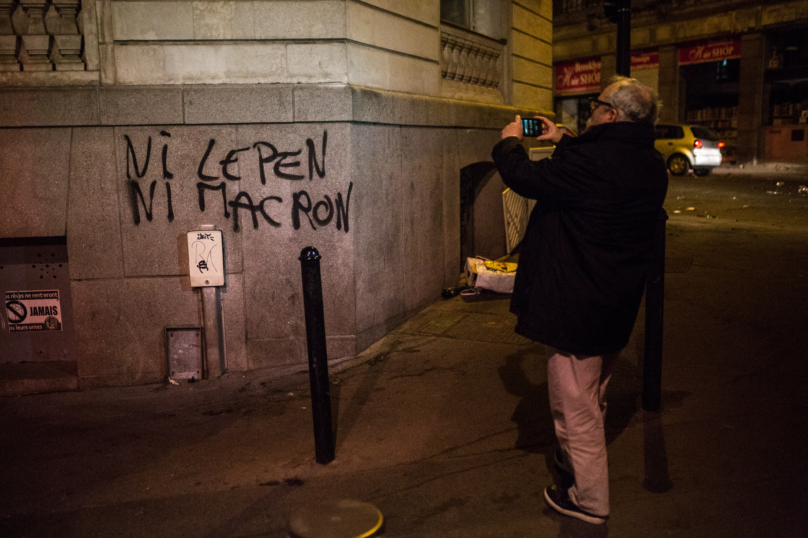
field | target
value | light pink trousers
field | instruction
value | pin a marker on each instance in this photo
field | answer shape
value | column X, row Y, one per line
column 577, row 386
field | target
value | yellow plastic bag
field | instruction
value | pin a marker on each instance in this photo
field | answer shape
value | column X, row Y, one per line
column 504, row 267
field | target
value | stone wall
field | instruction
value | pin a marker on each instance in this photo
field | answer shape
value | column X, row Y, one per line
column 532, row 53
column 370, row 178
column 283, row 123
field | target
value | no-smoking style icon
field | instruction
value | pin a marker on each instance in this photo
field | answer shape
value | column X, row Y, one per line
column 16, row 311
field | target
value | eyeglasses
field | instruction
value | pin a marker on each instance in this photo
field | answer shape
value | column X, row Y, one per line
column 595, row 103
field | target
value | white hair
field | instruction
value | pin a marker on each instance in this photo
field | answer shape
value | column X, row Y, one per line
column 634, row 101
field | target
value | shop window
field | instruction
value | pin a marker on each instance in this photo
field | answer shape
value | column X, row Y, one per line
column 789, row 105
column 787, row 65
column 788, row 49
column 712, row 96
column 797, row 135
column 727, row 71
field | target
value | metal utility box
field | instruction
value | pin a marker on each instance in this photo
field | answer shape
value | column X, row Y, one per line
column 184, row 352
column 205, row 258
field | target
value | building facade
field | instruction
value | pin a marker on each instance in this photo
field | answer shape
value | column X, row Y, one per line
column 738, row 67
column 341, row 124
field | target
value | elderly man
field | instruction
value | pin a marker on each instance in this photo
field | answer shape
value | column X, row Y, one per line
column 582, row 269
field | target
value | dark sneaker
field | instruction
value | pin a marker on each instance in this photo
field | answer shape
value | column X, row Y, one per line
column 567, row 478
column 558, row 500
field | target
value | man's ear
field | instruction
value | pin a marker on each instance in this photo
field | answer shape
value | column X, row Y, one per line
column 614, row 116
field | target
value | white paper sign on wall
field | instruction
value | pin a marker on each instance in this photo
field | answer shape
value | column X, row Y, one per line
column 205, row 258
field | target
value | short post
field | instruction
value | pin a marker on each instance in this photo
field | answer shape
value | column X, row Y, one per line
column 654, row 309
column 318, row 359
column 206, row 271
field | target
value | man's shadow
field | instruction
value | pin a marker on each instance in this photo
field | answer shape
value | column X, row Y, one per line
column 532, row 415
column 536, row 432
column 534, row 422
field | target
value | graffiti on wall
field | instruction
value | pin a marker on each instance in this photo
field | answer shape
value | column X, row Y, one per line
column 213, row 181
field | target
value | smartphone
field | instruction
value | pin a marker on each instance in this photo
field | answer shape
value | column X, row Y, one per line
column 532, row 127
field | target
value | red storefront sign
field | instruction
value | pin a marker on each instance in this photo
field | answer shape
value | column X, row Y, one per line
column 710, row 52
column 577, row 76
column 583, row 76
column 644, row 60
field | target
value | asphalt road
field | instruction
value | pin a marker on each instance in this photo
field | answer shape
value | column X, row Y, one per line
column 774, row 199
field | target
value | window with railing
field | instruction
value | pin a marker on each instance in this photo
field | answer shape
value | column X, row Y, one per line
column 41, row 35
column 470, row 42
column 469, row 58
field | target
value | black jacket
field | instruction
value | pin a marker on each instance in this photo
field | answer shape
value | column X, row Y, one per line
column 584, row 257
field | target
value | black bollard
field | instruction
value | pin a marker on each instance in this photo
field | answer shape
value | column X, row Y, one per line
column 654, row 308
column 318, row 359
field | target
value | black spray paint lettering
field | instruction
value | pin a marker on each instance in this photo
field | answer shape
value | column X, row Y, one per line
column 267, row 153
column 167, row 175
column 199, row 172
column 134, row 193
column 230, row 159
column 299, row 206
column 313, row 156
column 253, row 209
column 130, row 151
column 134, row 187
column 320, row 213
column 280, row 157
column 202, row 187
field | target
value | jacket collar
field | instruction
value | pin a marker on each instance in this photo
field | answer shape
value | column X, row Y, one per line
column 621, row 130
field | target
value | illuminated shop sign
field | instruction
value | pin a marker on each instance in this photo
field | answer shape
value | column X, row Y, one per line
column 710, row 52
column 583, row 76
column 642, row 61
column 578, row 76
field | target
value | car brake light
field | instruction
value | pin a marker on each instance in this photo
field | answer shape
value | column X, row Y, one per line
column 697, row 143
column 720, row 145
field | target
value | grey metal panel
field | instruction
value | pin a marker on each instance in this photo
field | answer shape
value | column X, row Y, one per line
column 184, row 352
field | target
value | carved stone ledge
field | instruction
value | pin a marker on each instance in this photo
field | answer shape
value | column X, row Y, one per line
column 470, row 58
column 41, row 35
column 8, row 51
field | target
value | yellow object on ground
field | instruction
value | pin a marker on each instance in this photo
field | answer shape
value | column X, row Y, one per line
column 505, row 267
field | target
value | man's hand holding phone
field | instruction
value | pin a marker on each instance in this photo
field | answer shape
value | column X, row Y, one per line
column 539, row 127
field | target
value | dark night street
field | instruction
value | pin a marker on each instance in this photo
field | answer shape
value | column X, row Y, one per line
column 234, row 245
column 444, row 424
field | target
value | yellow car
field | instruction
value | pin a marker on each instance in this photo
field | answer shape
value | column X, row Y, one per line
column 687, row 147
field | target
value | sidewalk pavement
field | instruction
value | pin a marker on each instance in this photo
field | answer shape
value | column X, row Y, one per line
column 444, row 425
